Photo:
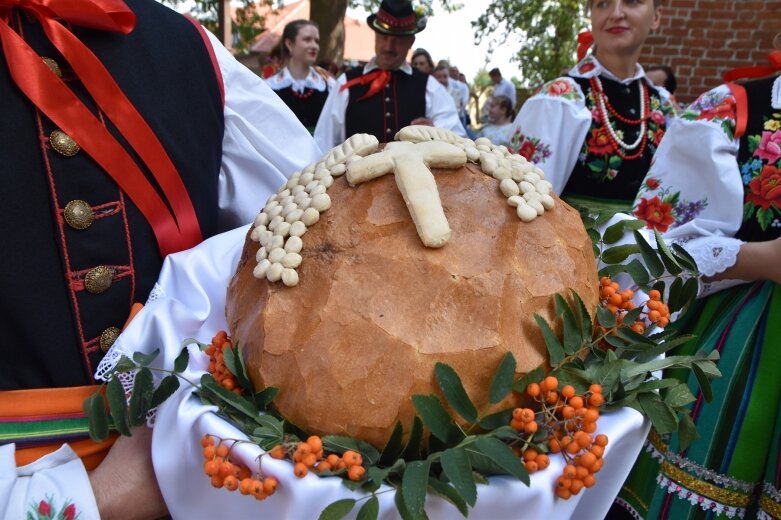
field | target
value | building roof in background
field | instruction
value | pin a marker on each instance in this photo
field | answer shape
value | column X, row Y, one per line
column 358, row 36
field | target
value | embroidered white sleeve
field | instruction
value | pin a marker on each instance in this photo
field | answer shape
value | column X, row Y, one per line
column 555, row 128
column 713, row 255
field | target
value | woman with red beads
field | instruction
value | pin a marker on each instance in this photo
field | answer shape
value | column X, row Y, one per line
column 595, row 130
column 303, row 87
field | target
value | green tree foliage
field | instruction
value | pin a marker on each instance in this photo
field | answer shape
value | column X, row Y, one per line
column 247, row 25
column 546, row 32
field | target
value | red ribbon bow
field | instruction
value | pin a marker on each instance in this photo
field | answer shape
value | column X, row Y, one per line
column 378, row 79
column 175, row 228
column 756, row 72
column 585, row 41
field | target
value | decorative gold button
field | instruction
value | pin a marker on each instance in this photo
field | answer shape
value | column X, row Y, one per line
column 99, row 279
column 53, row 66
column 78, row 214
column 63, row 143
column 108, row 337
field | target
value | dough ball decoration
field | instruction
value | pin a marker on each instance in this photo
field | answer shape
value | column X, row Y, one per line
column 298, row 204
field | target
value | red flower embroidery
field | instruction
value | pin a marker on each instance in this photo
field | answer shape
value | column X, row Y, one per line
column 769, row 146
column 658, row 214
column 652, row 183
column 766, row 188
column 726, row 109
column 587, row 67
column 44, row 508
column 560, row 87
column 657, row 117
column 69, row 513
column 599, row 143
column 527, row 150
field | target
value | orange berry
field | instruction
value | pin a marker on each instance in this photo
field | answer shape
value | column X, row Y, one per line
column 607, row 292
column 260, row 495
column 597, row 465
column 569, row 472
column 604, row 281
column 588, row 459
column 542, row 460
column 230, row 483
column 550, row 383
column 576, row 486
column 653, row 305
column 529, row 454
column 300, row 470
column 216, row 481
column 310, row 459
column 315, row 443
column 533, row 389
column 244, row 472
column 592, row 414
column 573, row 448
column 222, row 450
column 352, row 458
column 517, row 425
column 323, row 466
column 654, row 316
column 563, row 494
column 356, row 472
column 531, row 466
column 627, row 294
column 270, row 485
column 595, row 388
column 207, row 440
column 211, row 468
column 582, row 438
column 654, row 295
column 530, row 427
column 554, row 445
column 615, row 299
column 663, row 322
column 226, row 468
column 563, row 483
column 581, row 472
column 589, row 481
column 568, row 391
column 576, row 402
column 552, row 398
column 598, row 451
column 245, row 486
column 277, row 452
column 638, row 327
column 568, row 412
column 596, row 400
column 209, row 452
column 612, row 308
column 332, row 459
column 303, row 448
column 590, row 427
column 256, row 487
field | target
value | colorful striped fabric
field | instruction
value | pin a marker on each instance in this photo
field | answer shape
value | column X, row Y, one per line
column 733, row 469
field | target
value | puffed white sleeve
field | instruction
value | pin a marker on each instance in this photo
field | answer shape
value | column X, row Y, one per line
column 329, row 131
column 441, row 108
column 550, row 129
column 693, row 192
column 263, row 142
column 54, row 486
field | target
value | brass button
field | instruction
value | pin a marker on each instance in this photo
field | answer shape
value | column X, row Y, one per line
column 108, row 337
column 78, row 214
column 99, row 279
column 53, row 66
column 62, row 143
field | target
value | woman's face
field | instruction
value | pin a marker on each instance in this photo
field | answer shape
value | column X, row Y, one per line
column 621, row 26
column 306, row 45
column 497, row 114
column 421, row 63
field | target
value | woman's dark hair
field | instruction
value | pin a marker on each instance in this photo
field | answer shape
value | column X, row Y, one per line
column 505, row 103
column 670, row 83
column 290, row 33
column 657, row 3
column 425, row 54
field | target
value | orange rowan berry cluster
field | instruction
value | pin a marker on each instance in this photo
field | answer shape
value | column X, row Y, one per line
column 309, row 454
column 227, row 474
column 217, row 367
column 569, row 420
column 620, row 302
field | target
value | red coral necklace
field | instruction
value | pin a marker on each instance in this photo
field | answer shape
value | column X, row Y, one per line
column 305, row 94
column 606, row 110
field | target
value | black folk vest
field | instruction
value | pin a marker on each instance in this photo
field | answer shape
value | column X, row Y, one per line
column 759, row 166
column 51, row 310
column 385, row 113
column 600, row 175
column 306, row 106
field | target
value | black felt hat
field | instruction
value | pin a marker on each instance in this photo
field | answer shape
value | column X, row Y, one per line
column 397, row 18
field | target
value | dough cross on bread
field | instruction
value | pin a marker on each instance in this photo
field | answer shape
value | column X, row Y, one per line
column 410, row 163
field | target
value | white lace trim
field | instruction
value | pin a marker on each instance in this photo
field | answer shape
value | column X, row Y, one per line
column 705, row 503
column 715, row 256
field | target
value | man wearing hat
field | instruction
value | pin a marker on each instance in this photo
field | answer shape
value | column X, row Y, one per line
column 387, row 94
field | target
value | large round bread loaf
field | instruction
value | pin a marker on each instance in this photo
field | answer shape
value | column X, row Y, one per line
column 375, row 310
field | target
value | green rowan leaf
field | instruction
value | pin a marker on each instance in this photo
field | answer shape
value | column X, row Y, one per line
column 662, row 416
column 535, row 376
column 141, row 397
column 618, row 254
column 338, row 509
column 164, row 390
column 552, row 343
column 181, row 361
column 501, row 455
column 449, row 493
column 95, row 410
column 413, row 486
column 412, row 449
column 679, row 395
column 265, row 397
column 454, row 392
column 649, row 254
column 456, row 466
column 115, row 394
column 145, row 359
column 502, row 382
column 687, row 432
column 370, row 510
column 436, row 418
column 393, row 447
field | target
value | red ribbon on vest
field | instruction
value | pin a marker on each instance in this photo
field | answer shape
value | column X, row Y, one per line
column 756, row 72
column 585, row 41
column 378, row 79
column 175, row 228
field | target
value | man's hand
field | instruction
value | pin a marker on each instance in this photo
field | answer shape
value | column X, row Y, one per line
column 124, row 483
column 422, row 121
